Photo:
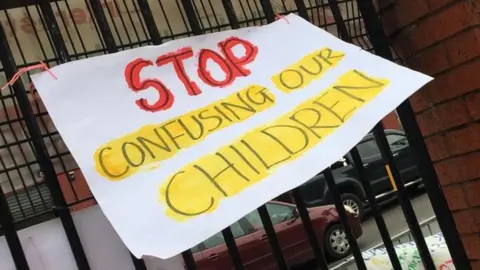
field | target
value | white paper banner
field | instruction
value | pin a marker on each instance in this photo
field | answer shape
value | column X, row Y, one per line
column 179, row 141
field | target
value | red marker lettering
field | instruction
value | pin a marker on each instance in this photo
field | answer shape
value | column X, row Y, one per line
column 132, row 77
column 251, row 52
column 204, row 74
column 176, row 59
column 231, row 65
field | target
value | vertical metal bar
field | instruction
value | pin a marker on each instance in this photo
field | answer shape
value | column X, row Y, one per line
column 332, row 186
column 337, row 16
column 307, row 224
column 268, row 10
column 192, row 17
column 415, row 138
column 231, row 15
column 342, row 30
column 54, row 31
column 302, row 9
column 13, row 242
column 139, row 264
column 232, row 248
column 61, row 208
column 150, row 21
column 272, row 238
column 376, row 210
column 102, row 22
column 189, row 260
column 63, row 57
column 403, row 198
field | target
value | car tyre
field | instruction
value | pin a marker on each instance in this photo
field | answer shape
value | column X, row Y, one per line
column 352, row 201
column 336, row 243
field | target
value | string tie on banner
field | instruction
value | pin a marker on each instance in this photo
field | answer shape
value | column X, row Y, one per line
column 17, row 75
column 281, row 17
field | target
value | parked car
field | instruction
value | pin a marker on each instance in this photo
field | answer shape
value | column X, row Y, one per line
column 254, row 247
column 315, row 192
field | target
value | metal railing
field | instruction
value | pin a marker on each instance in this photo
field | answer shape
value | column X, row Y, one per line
column 36, row 166
column 429, row 227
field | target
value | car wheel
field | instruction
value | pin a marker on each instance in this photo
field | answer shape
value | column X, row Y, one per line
column 336, row 243
column 354, row 204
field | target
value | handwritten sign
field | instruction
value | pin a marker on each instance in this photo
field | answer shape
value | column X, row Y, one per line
column 179, row 141
column 377, row 259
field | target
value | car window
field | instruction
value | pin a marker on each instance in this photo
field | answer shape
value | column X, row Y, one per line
column 254, row 219
column 395, row 140
column 368, row 149
column 217, row 239
column 278, row 213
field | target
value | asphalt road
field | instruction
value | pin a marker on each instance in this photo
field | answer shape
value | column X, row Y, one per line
column 394, row 218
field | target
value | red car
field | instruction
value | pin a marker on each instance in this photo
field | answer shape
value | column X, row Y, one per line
column 255, row 251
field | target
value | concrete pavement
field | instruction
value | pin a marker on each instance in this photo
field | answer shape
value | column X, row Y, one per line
column 395, row 220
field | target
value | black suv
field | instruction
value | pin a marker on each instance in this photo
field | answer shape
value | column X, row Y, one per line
column 315, row 192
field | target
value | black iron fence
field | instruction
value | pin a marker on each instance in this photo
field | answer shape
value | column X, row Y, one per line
column 39, row 179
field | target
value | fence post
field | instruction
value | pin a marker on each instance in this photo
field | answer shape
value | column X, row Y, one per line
column 13, row 242
column 61, row 209
column 405, row 112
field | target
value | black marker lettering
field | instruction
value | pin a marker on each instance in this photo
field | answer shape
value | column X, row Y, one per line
column 246, row 107
column 176, row 210
column 188, row 131
column 104, row 168
column 261, row 93
column 217, row 118
column 173, row 138
column 161, row 145
column 314, row 126
column 127, row 156
column 282, row 80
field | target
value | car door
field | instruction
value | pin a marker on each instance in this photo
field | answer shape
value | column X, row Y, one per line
column 214, row 251
column 374, row 166
column 290, row 234
column 403, row 156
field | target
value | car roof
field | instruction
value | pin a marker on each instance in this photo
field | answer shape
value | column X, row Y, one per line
column 369, row 136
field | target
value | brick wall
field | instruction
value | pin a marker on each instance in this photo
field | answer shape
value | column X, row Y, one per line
column 442, row 38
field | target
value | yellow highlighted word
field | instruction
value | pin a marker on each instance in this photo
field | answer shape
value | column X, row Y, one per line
column 125, row 156
column 199, row 187
column 310, row 67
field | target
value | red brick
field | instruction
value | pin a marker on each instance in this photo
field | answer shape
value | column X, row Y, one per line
column 402, row 41
column 458, row 169
column 463, row 47
column 444, row 24
column 428, row 122
column 453, row 113
column 455, row 197
column 465, row 222
column 436, row 4
column 419, row 100
column 464, row 140
column 471, row 243
column 464, row 79
column 437, row 147
column 473, row 105
column 476, row 216
column 443, row 173
column 390, row 20
column 475, row 265
column 440, row 89
column 473, row 192
column 431, row 61
column 408, row 11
